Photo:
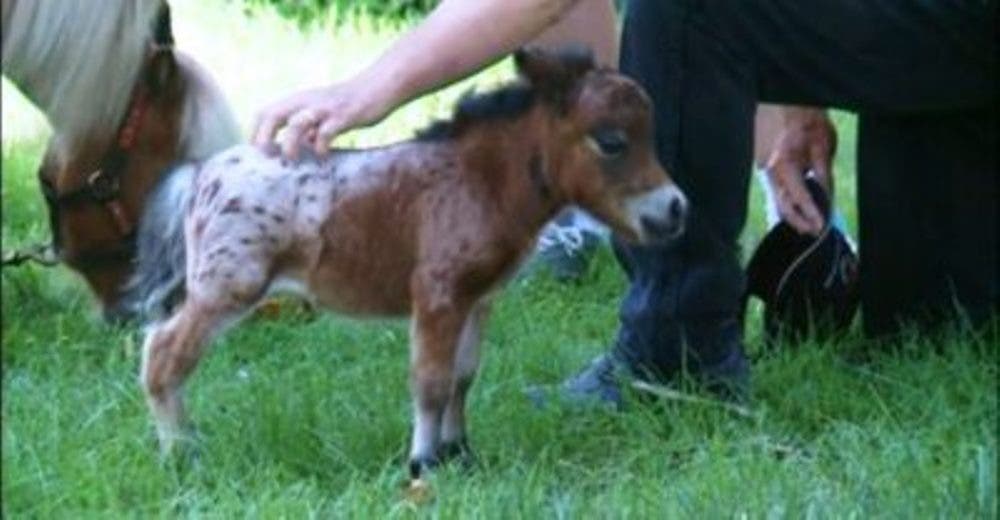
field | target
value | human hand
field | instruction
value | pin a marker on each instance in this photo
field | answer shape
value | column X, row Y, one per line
column 312, row 118
column 807, row 142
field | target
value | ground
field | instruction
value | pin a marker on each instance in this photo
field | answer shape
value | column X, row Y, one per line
column 309, row 417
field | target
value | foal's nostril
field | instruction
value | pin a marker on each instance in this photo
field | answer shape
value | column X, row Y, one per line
column 676, row 209
column 118, row 314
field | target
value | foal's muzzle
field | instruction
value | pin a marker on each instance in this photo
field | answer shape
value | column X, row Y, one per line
column 659, row 215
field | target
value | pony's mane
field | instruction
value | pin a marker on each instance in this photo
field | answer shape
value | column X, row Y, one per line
column 506, row 102
column 208, row 123
column 77, row 59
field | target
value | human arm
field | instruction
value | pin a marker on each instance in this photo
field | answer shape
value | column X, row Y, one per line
column 458, row 38
column 590, row 23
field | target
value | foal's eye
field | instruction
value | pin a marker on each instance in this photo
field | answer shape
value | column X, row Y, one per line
column 608, row 143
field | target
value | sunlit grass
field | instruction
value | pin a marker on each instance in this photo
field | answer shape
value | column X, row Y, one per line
column 310, row 418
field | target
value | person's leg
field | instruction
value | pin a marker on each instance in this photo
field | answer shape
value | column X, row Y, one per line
column 706, row 64
column 928, row 219
column 917, row 56
column 680, row 309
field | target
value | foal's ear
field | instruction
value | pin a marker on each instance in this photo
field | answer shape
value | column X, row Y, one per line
column 554, row 71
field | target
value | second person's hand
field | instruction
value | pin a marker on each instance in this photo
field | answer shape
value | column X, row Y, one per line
column 806, row 143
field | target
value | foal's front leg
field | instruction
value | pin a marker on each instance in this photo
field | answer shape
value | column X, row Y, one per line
column 435, row 332
column 454, row 439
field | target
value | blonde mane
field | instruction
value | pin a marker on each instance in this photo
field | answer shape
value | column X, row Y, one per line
column 208, row 124
column 78, row 60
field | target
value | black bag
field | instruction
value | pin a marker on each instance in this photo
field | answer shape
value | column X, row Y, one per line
column 809, row 285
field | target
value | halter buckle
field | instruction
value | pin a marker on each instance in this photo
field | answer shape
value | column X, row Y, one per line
column 103, row 187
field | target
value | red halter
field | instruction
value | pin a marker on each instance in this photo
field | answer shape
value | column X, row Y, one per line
column 103, row 186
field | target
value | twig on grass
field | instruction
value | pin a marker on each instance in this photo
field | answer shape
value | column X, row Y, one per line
column 674, row 395
column 780, row 450
column 42, row 254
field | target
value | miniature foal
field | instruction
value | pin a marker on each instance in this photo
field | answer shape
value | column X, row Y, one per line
column 427, row 228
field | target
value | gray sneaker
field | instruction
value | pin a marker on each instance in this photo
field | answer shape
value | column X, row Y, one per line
column 567, row 244
column 599, row 384
column 603, row 381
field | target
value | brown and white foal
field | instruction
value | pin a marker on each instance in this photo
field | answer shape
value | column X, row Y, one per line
column 428, row 228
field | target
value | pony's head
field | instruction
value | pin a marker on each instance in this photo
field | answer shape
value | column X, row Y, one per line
column 603, row 157
column 124, row 106
column 94, row 187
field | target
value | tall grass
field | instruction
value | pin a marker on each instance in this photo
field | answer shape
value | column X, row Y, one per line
column 309, row 417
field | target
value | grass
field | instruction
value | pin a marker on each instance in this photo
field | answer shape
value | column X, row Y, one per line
column 309, row 418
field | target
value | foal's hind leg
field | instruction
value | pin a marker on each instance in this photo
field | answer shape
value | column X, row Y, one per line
column 172, row 350
column 454, row 439
column 170, row 353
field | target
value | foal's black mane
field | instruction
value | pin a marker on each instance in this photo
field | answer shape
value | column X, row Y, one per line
column 506, row 102
column 547, row 76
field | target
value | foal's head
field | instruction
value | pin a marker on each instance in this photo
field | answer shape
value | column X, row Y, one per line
column 602, row 156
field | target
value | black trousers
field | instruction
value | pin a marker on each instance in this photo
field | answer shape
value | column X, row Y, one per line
column 921, row 76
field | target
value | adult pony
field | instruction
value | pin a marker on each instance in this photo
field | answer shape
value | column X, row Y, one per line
column 428, row 228
column 123, row 106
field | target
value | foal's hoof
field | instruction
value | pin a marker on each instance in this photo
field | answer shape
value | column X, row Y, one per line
column 181, row 454
column 458, row 451
column 421, row 467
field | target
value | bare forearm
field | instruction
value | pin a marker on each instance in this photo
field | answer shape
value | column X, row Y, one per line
column 772, row 120
column 801, row 115
column 458, row 38
column 767, row 129
column 590, row 23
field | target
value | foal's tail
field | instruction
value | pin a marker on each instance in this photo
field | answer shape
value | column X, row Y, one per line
column 157, row 286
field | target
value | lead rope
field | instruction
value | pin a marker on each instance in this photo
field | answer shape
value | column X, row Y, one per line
column 43, row 254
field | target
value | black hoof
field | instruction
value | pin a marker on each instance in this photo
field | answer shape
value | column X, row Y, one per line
column 420, row 467
column 458, row 451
